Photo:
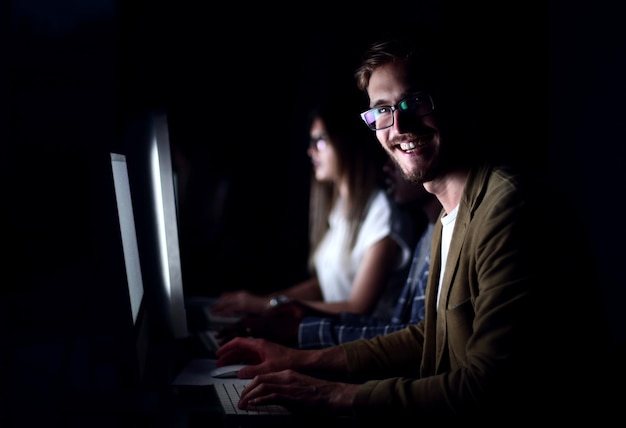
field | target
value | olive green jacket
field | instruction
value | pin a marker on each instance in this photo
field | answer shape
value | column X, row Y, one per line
column 461, row 359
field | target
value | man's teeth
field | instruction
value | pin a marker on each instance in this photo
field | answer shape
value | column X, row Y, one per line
column 410, row 145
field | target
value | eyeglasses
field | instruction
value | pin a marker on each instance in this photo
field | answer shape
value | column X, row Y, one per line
column 382, row 117
column 318, row 143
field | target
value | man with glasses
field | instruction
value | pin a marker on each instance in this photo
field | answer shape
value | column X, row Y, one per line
column 497, row 340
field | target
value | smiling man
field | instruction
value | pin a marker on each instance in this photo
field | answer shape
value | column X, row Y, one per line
column 497, row 340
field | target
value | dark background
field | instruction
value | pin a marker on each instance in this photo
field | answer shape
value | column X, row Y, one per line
column 238, row 81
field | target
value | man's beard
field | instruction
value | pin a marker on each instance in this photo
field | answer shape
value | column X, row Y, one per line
column 428, row 171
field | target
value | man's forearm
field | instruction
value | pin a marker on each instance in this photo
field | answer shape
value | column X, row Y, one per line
column 331, row 359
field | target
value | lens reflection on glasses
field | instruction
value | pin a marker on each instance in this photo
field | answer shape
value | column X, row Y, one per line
column 318, row 143
column 382, row 117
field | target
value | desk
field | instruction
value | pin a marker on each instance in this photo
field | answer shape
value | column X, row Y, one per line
column 190, row 407
column 54, row 378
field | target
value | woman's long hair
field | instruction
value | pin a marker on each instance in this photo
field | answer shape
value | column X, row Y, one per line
column 359, row 157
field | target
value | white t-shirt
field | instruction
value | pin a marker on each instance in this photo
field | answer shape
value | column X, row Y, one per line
column 335, row 265
column 446, row 236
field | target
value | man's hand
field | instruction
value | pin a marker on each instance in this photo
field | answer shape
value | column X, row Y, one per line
column 298, row 391
column 262, row 356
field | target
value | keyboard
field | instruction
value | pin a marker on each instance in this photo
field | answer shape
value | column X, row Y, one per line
column 228, row 395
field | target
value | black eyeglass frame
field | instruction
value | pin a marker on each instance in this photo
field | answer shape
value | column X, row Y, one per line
column 398, row 107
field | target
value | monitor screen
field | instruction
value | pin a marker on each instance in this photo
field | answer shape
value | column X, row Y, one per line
column 115, row 326
column 128, row 234
column 139, row 339
column 153, row 189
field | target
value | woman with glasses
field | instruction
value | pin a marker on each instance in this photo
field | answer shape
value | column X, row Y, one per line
column 360, row 241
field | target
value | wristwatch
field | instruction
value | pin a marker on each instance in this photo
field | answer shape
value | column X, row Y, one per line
column 278, row 300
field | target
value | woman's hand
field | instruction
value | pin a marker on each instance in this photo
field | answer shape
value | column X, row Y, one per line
column 279, row 324
column 235, row 303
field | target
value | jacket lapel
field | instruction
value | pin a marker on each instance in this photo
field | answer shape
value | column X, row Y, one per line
column 436, row 338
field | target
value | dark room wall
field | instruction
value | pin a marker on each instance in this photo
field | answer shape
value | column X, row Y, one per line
column 78, row 70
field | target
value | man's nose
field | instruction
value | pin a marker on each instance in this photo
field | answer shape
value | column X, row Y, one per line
column 399, row 120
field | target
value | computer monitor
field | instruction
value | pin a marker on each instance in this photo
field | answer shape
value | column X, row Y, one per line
column 148, row 152
column 138, row 339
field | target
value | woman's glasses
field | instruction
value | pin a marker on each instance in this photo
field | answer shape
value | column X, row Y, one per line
column 318, row 143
